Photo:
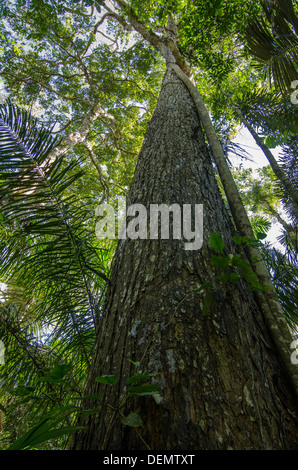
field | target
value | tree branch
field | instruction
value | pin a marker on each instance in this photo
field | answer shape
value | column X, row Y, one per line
column 80, row 135
column 165, row 45
column 97, row 166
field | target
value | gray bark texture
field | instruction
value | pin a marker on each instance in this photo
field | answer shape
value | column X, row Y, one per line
column 223, row 385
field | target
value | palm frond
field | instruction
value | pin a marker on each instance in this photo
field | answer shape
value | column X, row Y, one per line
column 47, row 248
column 272, row 116
column 289, row 163
column 273, row 41
column 285, row 279
column 54, row 267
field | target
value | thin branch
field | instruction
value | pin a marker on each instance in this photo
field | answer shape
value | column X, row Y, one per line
column 97, row 166
column 66, row 126
column 80, row 135
column 136, row 85
column 61, row 95
column 119, row 18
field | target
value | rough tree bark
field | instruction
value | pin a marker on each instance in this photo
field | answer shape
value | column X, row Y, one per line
column 223, row 385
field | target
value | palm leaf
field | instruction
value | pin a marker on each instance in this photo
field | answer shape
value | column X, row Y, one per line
column 273, row 41
column 285, row 279
column 271, row 115
column 47, row 248
column 51, row 261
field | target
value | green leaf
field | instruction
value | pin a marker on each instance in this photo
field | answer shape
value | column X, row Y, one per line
column 135, row 363
column 223, row 278
column 60, row 371
column 261, row 235
column 219, row 261
column 216, row 242
column 21, row 390
column 49, row 379
column 207, row 303
column 107, row 379
column 259, row 287
column 143, row 389
column 56, row 374
column 47, row 429
column 96, row 396
column 250, row 241
column 90, row 412
column 133, row 419
column 241, row 240
column 246, row 270
column 235, row 277
column 137, row 377
column 97, row 5
column 203, row 287
column 33, row 437
column 249, row 275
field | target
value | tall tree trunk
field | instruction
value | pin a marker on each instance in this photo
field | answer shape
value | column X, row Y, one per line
column 222, row 383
